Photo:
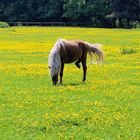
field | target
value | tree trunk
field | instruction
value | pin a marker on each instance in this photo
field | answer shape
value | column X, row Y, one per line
column 128, row 24
column 120, row 23
column 114, row 23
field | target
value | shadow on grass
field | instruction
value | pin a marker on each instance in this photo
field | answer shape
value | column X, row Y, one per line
column 73, row 84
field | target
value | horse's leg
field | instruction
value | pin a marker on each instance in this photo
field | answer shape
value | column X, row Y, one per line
column 77, row 63
column 84, row 68
column 61, row 73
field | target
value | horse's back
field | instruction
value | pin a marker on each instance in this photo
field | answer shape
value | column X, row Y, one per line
column 71, row 52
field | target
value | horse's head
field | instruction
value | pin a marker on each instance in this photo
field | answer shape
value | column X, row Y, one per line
column 54, row 66
column 54, row 71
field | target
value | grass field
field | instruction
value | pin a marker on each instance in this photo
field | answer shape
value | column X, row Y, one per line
column 106, row 107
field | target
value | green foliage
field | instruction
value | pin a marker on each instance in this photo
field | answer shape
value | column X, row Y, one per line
column 53, row 10
column 126, row 50
column 31, row 10
column 90, row 12
column 122, row 9
column 4, row 25
column 87, row 11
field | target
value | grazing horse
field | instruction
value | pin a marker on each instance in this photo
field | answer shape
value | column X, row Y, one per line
column 69, row 51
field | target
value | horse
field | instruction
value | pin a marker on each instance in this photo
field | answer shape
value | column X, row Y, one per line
column 69, row 51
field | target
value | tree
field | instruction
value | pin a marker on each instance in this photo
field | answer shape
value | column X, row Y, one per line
column 31, row 10
column 124, row 9
column 15, row 10
column 90, row 11
column 53, row 10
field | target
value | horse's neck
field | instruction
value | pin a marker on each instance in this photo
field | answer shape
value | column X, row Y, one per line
column 57, row 56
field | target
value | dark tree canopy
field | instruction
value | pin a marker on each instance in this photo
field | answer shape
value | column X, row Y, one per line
column 103, row 13
column 124, row 9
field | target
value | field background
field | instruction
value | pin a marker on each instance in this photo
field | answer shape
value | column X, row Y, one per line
column 106, row 107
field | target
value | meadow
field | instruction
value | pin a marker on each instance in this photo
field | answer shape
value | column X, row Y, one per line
column 106, row 107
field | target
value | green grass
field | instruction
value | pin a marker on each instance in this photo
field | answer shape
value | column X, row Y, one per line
column 106, row 107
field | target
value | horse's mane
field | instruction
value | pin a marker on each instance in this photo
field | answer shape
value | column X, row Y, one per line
column 60, row 43
column 54, row 56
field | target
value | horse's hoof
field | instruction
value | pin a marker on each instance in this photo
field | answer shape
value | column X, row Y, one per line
column 84, row 81
column 60, row 84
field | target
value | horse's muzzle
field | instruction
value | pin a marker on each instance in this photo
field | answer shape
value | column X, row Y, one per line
column 55, row 79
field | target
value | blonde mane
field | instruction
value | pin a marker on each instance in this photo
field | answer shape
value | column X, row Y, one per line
column 54, row 56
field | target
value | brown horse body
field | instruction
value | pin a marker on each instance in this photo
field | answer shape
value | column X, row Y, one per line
column 73, row 51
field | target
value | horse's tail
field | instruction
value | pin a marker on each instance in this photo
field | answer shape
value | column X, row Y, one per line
column 96, row 50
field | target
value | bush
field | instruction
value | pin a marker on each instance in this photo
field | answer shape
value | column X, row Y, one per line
column 127, row 50
column 4, row 25
column 138, row 25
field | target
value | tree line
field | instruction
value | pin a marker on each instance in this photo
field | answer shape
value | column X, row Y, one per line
column 99, row 13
